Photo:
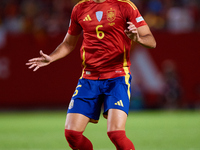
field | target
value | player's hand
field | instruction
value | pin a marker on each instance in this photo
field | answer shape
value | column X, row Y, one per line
column 36, row 63
column 132, row 32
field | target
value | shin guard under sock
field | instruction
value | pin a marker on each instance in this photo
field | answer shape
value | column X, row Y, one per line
column 76, row 140
column 120, row 140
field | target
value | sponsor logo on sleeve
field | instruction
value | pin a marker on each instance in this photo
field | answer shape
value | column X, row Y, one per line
column 139, row 19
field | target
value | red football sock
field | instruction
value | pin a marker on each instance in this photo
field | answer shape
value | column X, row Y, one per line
column 76, row 140
column 120, row 140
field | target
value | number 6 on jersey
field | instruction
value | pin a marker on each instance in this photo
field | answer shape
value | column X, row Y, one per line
column 100, row 34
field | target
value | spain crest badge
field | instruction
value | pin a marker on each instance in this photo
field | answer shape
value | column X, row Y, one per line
column 111, row 15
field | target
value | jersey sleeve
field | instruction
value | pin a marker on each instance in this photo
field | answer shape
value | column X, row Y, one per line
column 133, row 15
column 74, row 27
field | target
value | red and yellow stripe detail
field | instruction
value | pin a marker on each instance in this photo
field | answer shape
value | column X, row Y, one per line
column 82, row 2
column 127, row 76
column 130, row 3
column 83, row 63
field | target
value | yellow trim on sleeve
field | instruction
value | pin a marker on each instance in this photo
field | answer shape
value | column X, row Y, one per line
column 130, row 3
column 82, row 2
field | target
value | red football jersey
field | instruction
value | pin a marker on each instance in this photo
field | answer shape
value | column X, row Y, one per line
column 105, row 49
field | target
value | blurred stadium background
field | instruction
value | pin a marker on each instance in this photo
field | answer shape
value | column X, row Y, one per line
column 165, row 78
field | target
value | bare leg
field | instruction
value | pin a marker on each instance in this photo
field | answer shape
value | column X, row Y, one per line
column 76, row 122
column 116, row 120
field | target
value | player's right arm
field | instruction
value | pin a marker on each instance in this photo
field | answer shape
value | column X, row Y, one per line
column 68, row 45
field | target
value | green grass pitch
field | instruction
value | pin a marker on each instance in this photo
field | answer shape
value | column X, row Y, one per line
column 149, row 130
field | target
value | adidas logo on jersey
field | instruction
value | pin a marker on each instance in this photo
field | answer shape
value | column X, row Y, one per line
column 119, row 103
column 87, row 18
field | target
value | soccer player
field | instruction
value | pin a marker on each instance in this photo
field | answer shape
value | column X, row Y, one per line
column 109, row 27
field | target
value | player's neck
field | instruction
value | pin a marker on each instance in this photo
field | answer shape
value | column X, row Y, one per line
column 99, row 1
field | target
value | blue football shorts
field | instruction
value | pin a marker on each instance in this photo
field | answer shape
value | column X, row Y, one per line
column 91, row 95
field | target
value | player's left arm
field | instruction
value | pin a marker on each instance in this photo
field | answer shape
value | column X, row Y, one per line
column 141, row 35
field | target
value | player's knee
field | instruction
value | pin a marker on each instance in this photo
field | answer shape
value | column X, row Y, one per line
column 120, row 140
column 73, row 138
